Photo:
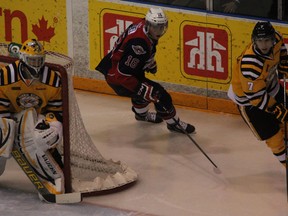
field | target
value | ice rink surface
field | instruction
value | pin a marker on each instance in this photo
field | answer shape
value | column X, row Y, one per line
column 174, row 176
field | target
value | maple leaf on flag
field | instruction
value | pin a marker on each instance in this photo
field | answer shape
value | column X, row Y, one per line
column 42, row 31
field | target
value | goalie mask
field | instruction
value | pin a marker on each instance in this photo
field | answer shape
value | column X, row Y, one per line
column 32, row 54
column 263, row 37
column 156, row 23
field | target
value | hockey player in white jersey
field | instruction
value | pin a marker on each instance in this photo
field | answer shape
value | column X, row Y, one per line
column 31, row 116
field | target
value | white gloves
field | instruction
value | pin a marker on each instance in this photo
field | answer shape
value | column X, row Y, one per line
column 48, row 132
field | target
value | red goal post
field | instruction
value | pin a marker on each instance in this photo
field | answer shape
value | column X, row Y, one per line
column 85, row 169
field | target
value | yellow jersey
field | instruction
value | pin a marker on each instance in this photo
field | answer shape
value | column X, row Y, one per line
column 18, row 93
column 255, row 77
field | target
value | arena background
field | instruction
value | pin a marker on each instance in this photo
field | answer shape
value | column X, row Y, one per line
column 195, row 57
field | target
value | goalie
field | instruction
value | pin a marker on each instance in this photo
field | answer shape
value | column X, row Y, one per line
column 31, row 115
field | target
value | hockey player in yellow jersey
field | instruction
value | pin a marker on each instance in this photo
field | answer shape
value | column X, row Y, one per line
column 31, row 114
column 256, row 90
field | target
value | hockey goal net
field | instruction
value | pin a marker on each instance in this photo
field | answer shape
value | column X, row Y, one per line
column 85, row 169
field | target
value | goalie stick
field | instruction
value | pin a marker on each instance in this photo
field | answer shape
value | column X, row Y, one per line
column 46, row 196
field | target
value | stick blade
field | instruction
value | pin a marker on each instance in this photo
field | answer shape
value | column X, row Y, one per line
column 217, row 170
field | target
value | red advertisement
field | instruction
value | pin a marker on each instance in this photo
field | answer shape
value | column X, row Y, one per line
column 205, row 52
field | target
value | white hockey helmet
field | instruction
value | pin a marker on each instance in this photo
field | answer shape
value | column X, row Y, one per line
column 156, row 23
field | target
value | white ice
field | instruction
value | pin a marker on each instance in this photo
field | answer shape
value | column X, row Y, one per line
column 175, row 178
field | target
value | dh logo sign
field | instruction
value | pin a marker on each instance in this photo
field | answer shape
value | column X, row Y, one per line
column 205, row 52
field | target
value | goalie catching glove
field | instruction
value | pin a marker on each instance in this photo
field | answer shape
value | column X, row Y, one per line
column 48, row 132
column 279, row 111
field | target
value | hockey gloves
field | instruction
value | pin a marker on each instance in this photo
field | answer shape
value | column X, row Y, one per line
column 48, row 132
column 283, row 65
column 153, row 68
column 147, row 92
column 279, row 111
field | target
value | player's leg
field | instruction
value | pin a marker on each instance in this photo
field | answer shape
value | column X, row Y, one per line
column 140, row 107
column 166, row 110
column 266, row 128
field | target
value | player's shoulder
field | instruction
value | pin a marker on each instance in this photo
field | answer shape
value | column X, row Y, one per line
column 136, row 33
column 249, row 55
column 251, row 63
column 50, row 77
column 9, row 74
column 278, row 36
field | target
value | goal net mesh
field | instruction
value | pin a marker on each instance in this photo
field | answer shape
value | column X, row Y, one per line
column 88, row 171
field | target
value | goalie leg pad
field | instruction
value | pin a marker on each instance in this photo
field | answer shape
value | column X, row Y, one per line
column 7, row 135
column 44, row 165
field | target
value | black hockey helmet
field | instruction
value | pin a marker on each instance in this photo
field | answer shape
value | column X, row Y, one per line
column 263, row 29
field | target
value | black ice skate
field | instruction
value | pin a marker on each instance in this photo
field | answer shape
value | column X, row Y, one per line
column 185, row 126
column 147, row 116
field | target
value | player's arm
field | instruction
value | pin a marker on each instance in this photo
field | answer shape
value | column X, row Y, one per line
column 260, row 98
column 4, row 100
column 53, row 115
column 7, row 125
column 283, row 63
column 257, row 93
column 254, row 83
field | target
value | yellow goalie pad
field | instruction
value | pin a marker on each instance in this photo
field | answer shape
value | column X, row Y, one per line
column 44, row 165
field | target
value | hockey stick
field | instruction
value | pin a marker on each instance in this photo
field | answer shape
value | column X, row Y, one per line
column 285, row 135
column 215, row 168
column 46, row 195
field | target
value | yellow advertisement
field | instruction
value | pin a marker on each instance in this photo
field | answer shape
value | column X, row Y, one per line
column 198, row 50
column 42, row 20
